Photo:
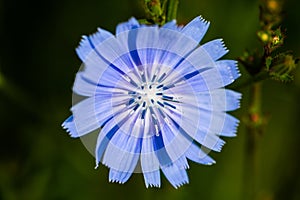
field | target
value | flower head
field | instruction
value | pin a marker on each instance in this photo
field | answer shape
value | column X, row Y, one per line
column 158, row 97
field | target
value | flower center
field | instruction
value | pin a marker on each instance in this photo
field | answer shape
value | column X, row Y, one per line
column 149, row 94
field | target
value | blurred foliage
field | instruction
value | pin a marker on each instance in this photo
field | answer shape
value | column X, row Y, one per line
column 269, row 61
column 38, row 63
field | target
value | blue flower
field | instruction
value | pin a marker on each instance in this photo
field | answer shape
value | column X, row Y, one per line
column 158, row 97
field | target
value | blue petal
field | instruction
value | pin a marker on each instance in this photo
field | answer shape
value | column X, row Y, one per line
column 86, row 47
column 126, row 26
column 215, row 48
column 142, row 38
column 118, row 176
column 203, row 58
column 214, row 100
column 84, row 118
column 175, row 42
column 191, row 86
column 228, row 70
column 83, row 87
column 176, row 176
column 160, row 151
column 176, row 142
column 230, row 126
column 123, row 151
column 219, row 123
column 113, row 85
column 141, row 45
column 107, row 132
column 199, row 124
column 171, row 49
column 213, row 78
column 199, row 59
column 152, row 179
column 171, row 25
column 94, row 68
column 232, row 100
column 110, row 50
column 115, row 80
column 197, row 155
column 196, row 29
column 93, row 112
column 207, row 80
column 158, row 63
column 182, row 163
column 86, row 80
column 150, row 163
column 70, row 127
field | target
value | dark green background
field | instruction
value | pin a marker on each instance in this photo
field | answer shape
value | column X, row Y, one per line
column 37, row 68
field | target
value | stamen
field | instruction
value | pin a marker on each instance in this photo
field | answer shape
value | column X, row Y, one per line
column 131, row 92
column 143, row 114
column 161, row 78
column 153, row 78
column 167, row 97
column 167, row 104
column 131, row 101
column 160, row 86
column 159, row 103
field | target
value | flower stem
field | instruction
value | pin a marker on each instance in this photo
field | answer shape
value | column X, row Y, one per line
column 172, row 9
column 254, row 130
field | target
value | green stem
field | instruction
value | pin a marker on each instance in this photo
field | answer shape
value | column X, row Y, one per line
column 254, row 125
column 172, row 9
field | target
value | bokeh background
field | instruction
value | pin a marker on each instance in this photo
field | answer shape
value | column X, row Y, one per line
column 38, row 160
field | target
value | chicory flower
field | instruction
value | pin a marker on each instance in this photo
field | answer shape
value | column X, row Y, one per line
column 158, row 97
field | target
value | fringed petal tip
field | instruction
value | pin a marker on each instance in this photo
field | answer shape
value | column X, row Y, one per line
column 83, row 48
column 118, row 176
column 70, row 127
column 198, row 155
column 204, row 21
column 176, row 186
column 233, row 100
column 231, row 128
column 196, row 29
column 215, row 48
column 238, row 99
column 152, row 185
column 236, row 69
column 235, row 127
column 132, row 23
column 152, row 179
column 232, row 66
column 177, row 176
column 88, row 43
column 219, row 145
column 210, row 163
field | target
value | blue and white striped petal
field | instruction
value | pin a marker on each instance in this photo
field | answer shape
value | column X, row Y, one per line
column 126, row 26
column 196, row 29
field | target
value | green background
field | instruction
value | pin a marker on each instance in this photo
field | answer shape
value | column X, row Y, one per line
column 37, row 68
